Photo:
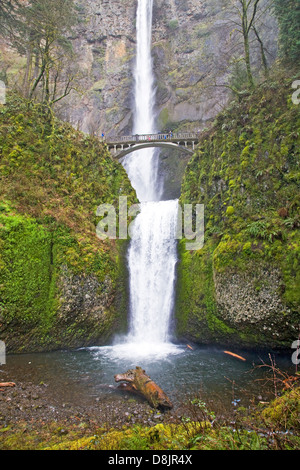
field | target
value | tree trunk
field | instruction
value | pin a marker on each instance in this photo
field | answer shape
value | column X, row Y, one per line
column 263, row 55
column 137, row 381
column 28, row 71
column 247, row 52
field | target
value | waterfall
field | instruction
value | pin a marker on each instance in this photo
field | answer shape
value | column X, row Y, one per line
column 152, row 254
column 142, row 167
column 152, row 262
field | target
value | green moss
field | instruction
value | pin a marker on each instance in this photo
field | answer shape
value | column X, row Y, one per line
column 173, row 25
column 230, row 211
column 163, row 118
column 227, row 252
column 284, row 411
column 196, row 308
column 254, row 429
column 52, row 181
column 245, row 172
column 27, row 272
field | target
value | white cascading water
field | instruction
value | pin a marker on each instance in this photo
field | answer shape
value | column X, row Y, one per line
column 152, row 262
column 142, row 166
column 152, row 254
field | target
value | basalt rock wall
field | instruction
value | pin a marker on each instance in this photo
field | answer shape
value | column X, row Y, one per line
column 193, row 50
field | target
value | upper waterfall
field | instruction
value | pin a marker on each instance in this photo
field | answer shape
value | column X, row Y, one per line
column 144, row 120
column 142, row 167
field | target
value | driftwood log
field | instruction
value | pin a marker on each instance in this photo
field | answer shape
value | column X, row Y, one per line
column 137, row 381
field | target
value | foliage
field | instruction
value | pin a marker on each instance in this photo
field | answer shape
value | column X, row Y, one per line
column 245, row 172
column 52, row 181
column 173, row 25
column 288, row 14
column 8, row 9
column 39, row 31
column 284, row 412
column 238, row 80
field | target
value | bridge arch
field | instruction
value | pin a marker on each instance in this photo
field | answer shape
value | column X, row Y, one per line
column 122, row 146
column 134, row 148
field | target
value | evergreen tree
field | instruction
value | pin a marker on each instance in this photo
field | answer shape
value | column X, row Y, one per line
column 288, row 14
column 7, row 9
column 38, row 30
column 12, row 25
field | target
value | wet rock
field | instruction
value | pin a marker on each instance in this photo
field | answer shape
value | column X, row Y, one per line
column 157, row 417
column 188, row 54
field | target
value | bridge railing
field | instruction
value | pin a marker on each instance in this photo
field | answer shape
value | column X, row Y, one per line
column 155, row 137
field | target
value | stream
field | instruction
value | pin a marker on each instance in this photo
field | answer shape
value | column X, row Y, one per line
column 87, row 375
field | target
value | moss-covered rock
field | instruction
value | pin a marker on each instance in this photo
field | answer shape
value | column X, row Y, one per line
column 60, row 286
column 243, row 286
column 284, row 411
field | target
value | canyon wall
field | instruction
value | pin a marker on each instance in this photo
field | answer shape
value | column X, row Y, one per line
column 194, row 47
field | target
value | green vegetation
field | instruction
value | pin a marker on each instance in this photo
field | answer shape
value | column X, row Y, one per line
column 173, row 25
column 261, row 426
column 39, row 32
column 246, row 173
column 54, row 270
column 288, row 14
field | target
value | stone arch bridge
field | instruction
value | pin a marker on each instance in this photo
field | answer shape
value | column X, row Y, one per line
column 122, row 146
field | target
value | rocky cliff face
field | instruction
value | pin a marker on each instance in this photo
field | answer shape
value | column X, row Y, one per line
column 193, row 46
column 105, row 46
column 242, row 288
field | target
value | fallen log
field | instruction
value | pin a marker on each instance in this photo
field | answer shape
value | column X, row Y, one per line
column 7, row 384
column 137, row 381
column 235, row 355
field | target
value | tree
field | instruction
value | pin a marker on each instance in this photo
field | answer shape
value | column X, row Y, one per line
column 12, row 26
column 288, row 14
column 48, row 25
column 262, row 51
column 247, row 11
column 247, row 19
column 38, row 30
column 7, row 10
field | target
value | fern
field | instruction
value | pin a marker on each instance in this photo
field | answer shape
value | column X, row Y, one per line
column 258, row 230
